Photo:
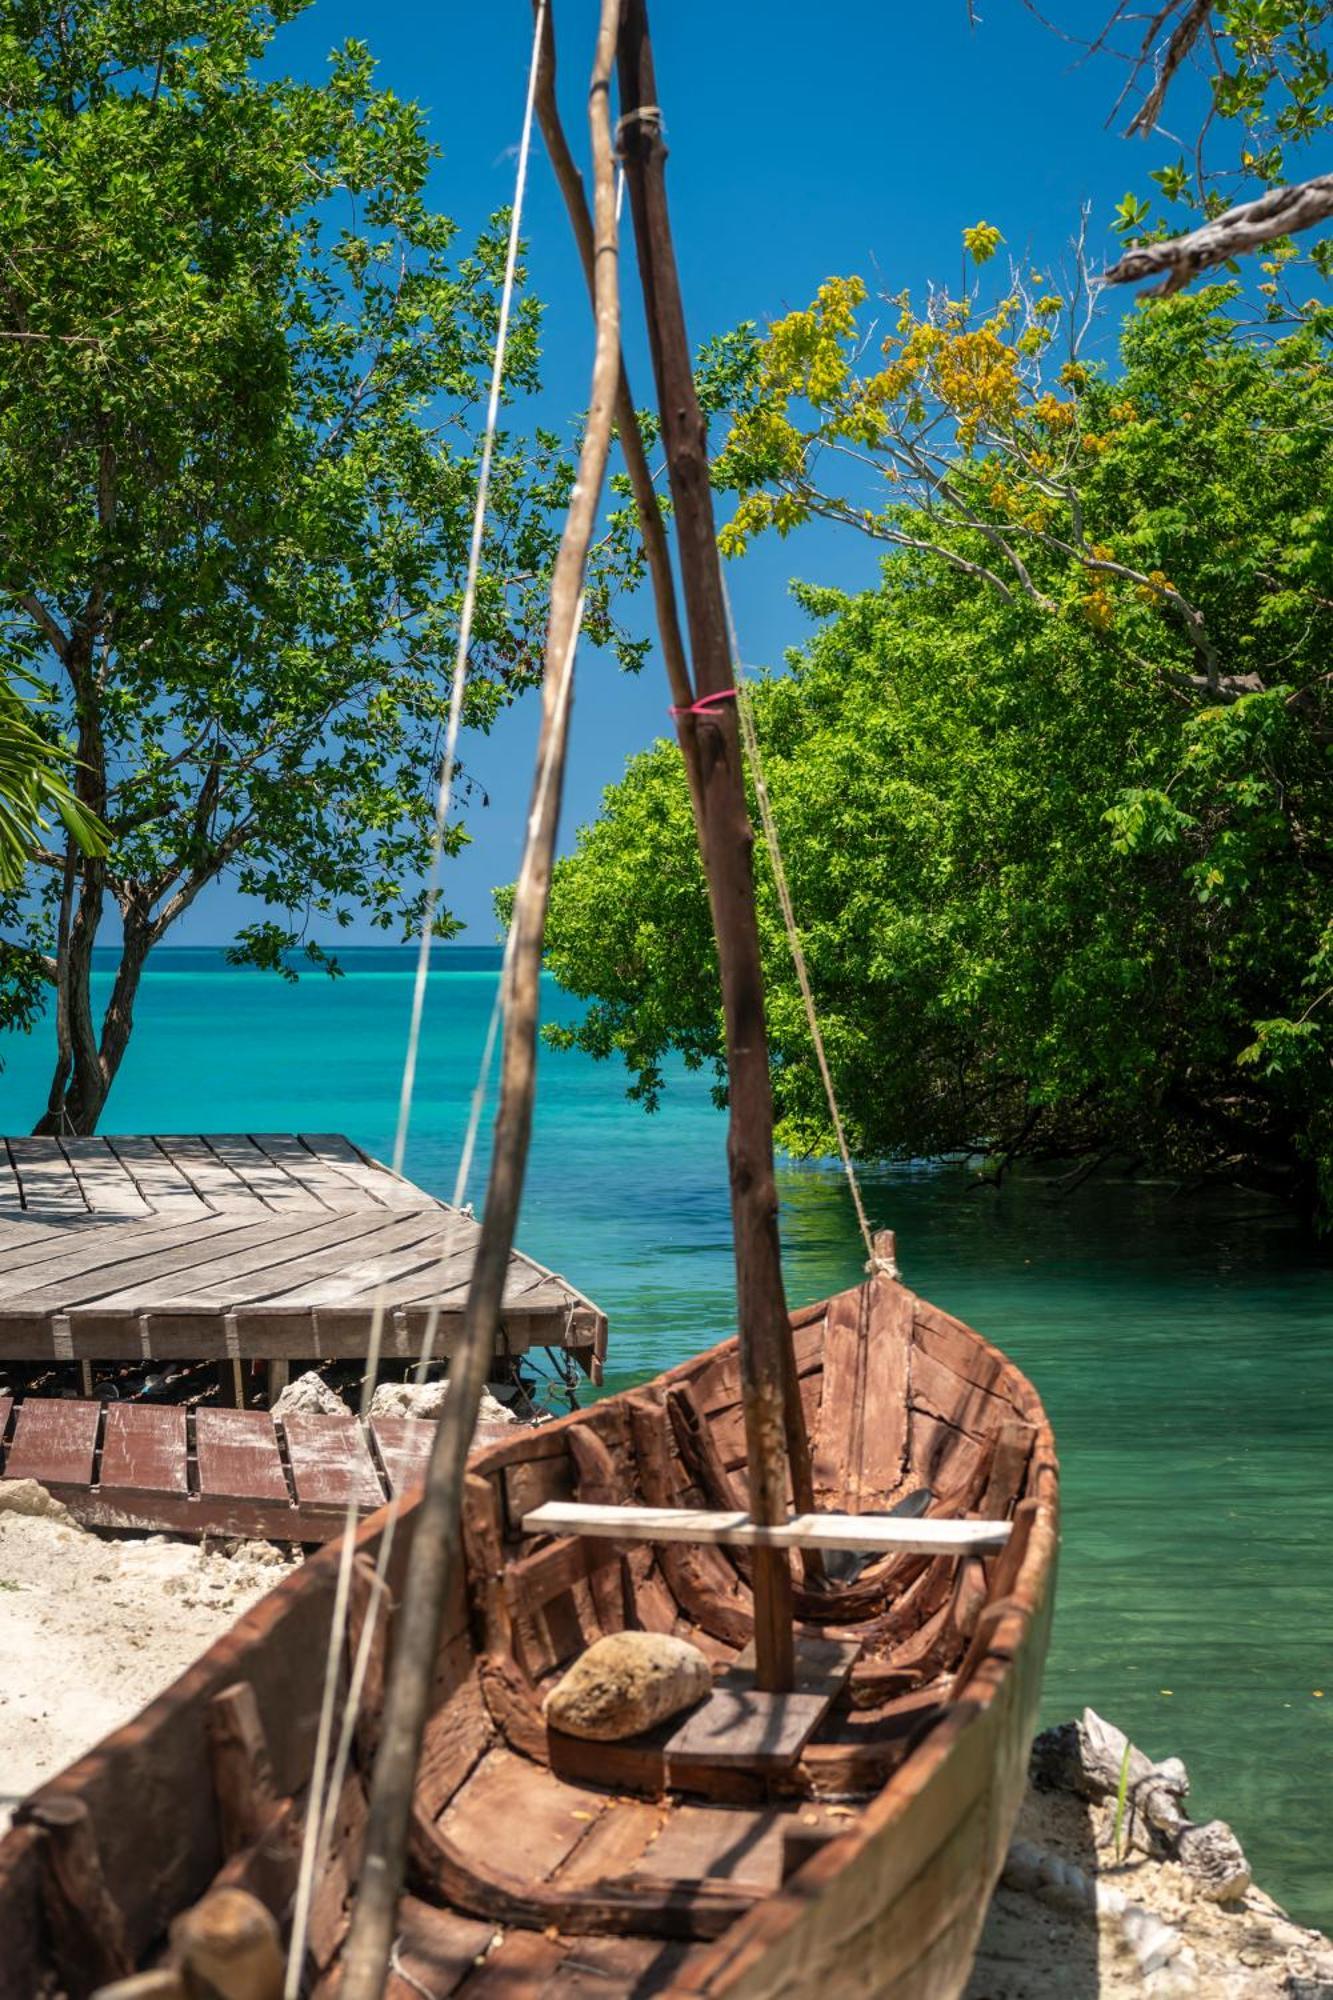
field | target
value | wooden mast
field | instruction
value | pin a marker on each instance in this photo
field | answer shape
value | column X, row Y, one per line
column 436, row 1553
column 710, row 740
column 673, row 648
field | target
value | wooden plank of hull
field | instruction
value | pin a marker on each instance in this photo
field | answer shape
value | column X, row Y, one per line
column 890, row 1907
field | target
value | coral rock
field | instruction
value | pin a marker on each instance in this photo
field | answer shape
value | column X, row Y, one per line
column 626, row 1683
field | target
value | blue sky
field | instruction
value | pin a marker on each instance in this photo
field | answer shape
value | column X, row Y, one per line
column 853, row 137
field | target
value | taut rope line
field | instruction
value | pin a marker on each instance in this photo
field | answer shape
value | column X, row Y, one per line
column 361, row 1663
column 319, row 1803
column 750, row 738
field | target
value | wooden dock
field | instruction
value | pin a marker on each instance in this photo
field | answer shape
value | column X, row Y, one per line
column 274, row 1247
column 213, row 1471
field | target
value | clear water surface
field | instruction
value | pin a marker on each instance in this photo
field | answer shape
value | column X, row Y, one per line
column 1184, row 1352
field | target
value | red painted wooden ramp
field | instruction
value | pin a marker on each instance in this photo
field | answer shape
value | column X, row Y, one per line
column 213, row 1471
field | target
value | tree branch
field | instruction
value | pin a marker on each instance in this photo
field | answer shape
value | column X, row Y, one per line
column 52, row 631
column 1250, row 226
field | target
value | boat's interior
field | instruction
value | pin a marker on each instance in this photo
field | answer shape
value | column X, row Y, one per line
column 545, row 1864
column 628, row 1854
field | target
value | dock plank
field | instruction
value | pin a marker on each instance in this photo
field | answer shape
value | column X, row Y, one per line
column 280, row 1287
column 203, row 1264
column 238, row 1455
column 336, row 1189
column 265, row 1178
column 106, row 1184
column 330, row 1462
column 404, row 1447
column 144, row 1449
column 54, row 1442
column 366, row 1173
column 162, row 1184
column 91, row 1263
column 47, row 1181
column 429, row 1261
column 147, row 1246
column 220, row 1185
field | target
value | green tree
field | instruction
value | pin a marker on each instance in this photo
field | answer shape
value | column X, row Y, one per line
column 242, row 374
column 1062, row 850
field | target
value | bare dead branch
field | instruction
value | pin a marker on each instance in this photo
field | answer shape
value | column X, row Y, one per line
column 1181, row 40
column 1250, row 226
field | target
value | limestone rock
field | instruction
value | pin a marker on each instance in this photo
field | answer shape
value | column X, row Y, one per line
column 426, row 1400
column 625, row 1683
column 26, row 1496
column 408, row 1399
column 309, row 1395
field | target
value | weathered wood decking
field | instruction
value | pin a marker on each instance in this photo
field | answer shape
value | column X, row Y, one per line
column 213, row 1471
column 265, row 1246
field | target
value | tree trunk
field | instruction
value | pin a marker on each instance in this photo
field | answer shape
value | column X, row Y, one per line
column 87, row 1061
column 82, row 1076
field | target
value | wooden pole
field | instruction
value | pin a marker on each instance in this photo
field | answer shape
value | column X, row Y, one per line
column 711, row 738
column 651, row 526
column 435, row 1543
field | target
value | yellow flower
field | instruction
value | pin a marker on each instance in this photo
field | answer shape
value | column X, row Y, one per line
column 981, row 241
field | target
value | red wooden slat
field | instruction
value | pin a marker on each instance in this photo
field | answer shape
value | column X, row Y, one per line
column 143, row 1449
column 330, row 1462
column 238, row 1455
column 54, row 1442
column 404, row 1446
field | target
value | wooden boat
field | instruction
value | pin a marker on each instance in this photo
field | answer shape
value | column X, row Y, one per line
column 541, row 1864
column 831, row 1817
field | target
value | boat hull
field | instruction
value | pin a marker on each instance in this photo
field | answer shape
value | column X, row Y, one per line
column 861, row 1867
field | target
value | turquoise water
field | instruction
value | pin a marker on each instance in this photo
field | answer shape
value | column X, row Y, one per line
column 1185, row 1353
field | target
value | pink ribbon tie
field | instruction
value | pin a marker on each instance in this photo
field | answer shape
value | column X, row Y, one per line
column 705, row 703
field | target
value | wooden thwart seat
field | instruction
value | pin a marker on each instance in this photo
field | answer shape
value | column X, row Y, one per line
column 739, row 1724
column 882, row 1533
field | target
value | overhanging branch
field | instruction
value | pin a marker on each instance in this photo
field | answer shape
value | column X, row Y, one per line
column 1248, row 227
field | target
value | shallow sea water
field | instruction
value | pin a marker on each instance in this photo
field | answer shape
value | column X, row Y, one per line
column 1184, row 1351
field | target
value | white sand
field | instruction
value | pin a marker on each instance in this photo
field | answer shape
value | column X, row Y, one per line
column 93, row 1626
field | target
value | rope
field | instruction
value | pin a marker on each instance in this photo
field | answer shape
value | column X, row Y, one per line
column 379, row 1584
column 321, row 1801
column 646, row 114
column 749, row 736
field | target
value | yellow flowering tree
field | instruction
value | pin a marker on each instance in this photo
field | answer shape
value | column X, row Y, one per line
column 965, row 428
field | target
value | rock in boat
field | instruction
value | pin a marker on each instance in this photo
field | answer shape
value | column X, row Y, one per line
column 860, row 1864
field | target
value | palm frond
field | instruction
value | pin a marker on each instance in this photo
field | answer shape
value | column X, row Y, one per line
column 33, row 786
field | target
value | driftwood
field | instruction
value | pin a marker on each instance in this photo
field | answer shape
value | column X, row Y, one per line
column 1249, row 226
column 1087, row 1757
